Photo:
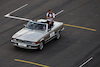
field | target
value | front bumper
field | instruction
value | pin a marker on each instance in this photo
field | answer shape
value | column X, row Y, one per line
column 24, row 45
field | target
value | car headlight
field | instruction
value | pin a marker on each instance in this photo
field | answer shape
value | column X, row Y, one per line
column 34, row 42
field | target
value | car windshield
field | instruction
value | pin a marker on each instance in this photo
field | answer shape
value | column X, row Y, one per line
column 36, row 26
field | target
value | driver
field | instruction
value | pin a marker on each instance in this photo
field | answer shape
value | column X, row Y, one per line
column 50, row 18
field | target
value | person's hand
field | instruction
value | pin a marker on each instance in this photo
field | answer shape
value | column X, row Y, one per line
column 52, row 16
column 50, row 22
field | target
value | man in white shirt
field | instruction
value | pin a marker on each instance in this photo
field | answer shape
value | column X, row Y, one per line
column 50, row 18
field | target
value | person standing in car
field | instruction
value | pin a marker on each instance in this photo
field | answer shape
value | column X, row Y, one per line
column 50, row 18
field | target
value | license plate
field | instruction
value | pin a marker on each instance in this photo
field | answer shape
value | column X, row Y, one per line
column 21, row 45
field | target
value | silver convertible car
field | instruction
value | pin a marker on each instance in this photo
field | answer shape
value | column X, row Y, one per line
column 35, row 34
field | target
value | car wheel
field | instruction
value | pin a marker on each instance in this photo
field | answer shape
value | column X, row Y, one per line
column 40, row 47
column 58, row 35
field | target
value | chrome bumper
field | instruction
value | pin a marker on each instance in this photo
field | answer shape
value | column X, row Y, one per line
column 26, row 46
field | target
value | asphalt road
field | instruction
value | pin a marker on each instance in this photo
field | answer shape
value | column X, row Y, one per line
column 75, row 46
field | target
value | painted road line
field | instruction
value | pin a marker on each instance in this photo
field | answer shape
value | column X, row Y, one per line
column 59, row 12
column 31, row 63
column 19, row 18
column 80, row 27
column 86, row 62
column 18, row 9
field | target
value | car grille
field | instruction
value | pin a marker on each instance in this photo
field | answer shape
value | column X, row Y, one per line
column 22, row 41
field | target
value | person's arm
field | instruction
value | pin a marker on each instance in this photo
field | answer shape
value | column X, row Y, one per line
column 48, row 17
column 53, row 15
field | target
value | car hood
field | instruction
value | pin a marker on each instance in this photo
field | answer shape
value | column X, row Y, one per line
column 29, row 35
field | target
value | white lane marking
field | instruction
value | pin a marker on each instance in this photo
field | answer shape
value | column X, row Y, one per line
column 18, row 9
column 86, row 62
column 19, row 18
column 9, row 16
column 59, row 12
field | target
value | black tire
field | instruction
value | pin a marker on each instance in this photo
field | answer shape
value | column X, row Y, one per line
column 58, row 35
column 40, row 47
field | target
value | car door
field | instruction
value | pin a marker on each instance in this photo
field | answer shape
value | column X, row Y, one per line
column 50, row 35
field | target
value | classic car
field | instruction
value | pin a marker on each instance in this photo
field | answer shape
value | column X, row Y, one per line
column 36, row 33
